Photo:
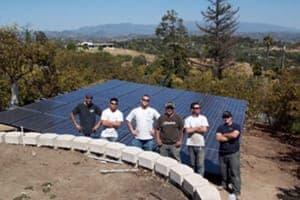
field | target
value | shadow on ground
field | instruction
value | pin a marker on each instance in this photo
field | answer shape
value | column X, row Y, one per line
column 289, row 194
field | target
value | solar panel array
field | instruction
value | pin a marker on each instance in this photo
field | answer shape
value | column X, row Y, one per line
column 52, row 115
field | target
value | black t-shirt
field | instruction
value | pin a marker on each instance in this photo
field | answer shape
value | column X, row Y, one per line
column 87, row 116
column 230, row 146
column 169, row 128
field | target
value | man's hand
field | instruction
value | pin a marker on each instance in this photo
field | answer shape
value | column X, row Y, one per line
column 94, row 129
column 78, row 127
column 135, row 132
column 178, row 143
column 159, row 142
column 152, row 132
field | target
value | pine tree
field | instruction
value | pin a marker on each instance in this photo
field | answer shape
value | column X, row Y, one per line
column 220, row 25
column 173, row 35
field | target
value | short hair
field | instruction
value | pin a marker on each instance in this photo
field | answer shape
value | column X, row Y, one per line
column 114, row 99
column 195, row 103
column 146, row 95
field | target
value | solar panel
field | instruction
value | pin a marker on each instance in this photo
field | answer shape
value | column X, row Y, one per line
column 52, row 115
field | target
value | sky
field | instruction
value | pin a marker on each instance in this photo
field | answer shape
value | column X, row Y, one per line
column 72, row 14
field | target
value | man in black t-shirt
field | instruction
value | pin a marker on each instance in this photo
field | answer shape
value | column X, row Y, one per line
column 87, row 112
column 169, row 133
column 228, row 135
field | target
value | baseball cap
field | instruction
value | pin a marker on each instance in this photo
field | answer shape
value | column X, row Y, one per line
column 226, row 114
column 170, row 105
column 89, row 95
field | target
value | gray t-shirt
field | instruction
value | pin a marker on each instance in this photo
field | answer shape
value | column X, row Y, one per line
column 87, row 116
column 169, row 128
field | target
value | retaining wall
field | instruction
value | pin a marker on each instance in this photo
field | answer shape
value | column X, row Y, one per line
column 194, row 185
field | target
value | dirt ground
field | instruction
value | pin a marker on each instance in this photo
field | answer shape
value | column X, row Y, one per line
column 43, row 173
column 270, row 170
column 270, row 167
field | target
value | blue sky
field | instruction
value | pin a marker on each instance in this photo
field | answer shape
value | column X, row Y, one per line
column 72, row 14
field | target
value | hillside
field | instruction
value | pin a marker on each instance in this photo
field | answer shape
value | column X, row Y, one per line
column 128, row 30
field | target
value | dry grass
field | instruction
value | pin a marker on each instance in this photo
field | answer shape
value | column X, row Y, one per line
column 119, row 51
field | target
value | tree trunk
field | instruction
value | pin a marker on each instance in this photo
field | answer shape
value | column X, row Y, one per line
column 14, row 100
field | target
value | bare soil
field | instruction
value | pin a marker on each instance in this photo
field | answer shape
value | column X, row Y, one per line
column 43, row 173
column 270, row 166
column 270, row 170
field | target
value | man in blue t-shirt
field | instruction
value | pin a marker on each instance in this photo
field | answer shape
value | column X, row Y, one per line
column 87, row 112
column 228, row 135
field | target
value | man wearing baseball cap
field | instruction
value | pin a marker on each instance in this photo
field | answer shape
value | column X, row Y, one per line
column 169, row 132
column 87, row 112
column 228, row 134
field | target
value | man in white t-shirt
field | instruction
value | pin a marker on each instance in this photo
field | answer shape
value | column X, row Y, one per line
column 196, row 125
column 111, row 119
column 144, row 131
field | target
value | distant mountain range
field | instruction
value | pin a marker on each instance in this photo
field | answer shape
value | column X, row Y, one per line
column 125, row 31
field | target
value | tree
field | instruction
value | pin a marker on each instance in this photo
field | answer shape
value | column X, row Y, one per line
column 40, row 37
column 220, row 25
column 139, row 60
column 15, row 59
column 268, row 42
column 173, row 58
column 71, row 46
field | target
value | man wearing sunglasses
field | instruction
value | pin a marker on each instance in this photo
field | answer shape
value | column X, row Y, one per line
column 144, row 117
column 111, row 119
column 228, row 134
column 169, row 134
column 196, row 125
column 87, row 112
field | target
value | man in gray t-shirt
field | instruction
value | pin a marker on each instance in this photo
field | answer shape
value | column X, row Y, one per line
column 87, row 112
column 169, row 133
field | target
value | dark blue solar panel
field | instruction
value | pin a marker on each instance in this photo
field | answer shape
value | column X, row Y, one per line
column 38, row 122
column 44, row 105
column 12, row 116
column 52, row 115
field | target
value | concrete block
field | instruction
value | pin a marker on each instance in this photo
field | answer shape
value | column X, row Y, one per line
column 192, row 181
column 130, row 154
column 31, row 138
column 13, row 137
column 47, row 139
column 64, row 141
column 81, row 143
column 207, row 192
column 98, row 146
column 178, row 172
column 2, row 134
column 147, row 159
column 114, row 149
column 162, row 165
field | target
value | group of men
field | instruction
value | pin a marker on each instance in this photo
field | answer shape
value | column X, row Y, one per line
column 169, row 132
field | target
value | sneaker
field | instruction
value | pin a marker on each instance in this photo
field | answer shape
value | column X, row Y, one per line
column 231, row 196
column 220, row 188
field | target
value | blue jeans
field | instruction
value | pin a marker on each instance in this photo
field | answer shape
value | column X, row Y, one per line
column 230, row 171
column 146, row 145
column 111, row 139
column 197, row 156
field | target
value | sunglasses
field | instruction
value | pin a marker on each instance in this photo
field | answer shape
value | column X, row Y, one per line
column 225, row 117
column 170, row 108
column 114, row 103
column 196, row 108
column 147, row 100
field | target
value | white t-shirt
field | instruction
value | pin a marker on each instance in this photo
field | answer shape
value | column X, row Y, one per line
column 144, row 121
column 108, row 115
column 195, row 139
